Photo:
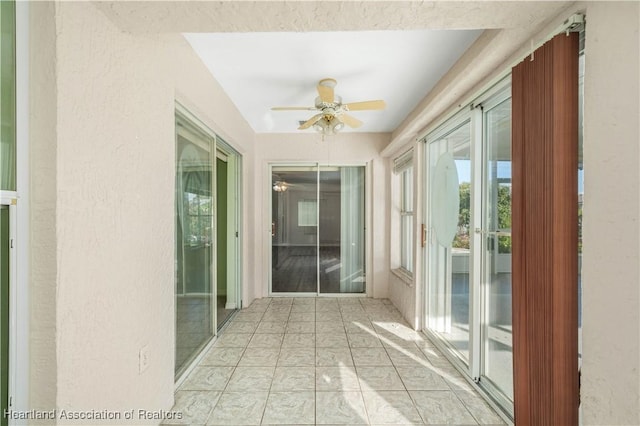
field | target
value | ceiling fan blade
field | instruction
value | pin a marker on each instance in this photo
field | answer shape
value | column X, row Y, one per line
column 325, row 90
column 310, row 122
column 365, row 105
column 350, row 121
column 293, row 109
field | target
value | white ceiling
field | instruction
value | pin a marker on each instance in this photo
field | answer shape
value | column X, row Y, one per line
column 259, row 70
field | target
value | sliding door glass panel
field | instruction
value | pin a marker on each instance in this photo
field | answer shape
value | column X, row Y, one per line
column 341, row 208
column 580, row 192
column 497, row 332
column 228, row 251
column 449, row 245
column 221, row 242
column 294, row 226
column 194, row 245
column 7, row 96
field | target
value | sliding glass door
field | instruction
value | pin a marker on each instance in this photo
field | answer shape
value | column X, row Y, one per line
column 228, row 250
column 449, row 245
column 497, row 349
column 294, row 229
column 207, row 223
column 195, row 155
column 317, row 229
column 468, row 256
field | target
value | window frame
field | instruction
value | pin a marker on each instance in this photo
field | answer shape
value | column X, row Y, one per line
column 404, row 170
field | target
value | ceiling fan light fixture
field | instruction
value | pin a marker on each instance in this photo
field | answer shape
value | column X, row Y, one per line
column 280, row 186
column 328, row 125
column 320, row 126
column 336, row 125
column 331, row 117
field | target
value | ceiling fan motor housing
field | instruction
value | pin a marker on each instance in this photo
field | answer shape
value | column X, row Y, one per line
column 322, row 105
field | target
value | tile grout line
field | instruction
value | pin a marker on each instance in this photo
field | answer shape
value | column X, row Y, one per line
column 266, row 402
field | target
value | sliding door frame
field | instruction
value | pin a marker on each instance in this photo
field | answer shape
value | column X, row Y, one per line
column 9, row 199
column 269, row 218
column 453, row 123
column 217, row 145
column 501, row 93
column 473, row 113
column 234, row 176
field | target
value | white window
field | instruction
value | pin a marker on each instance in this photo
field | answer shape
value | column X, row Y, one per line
column 307, row 213
column 403, row 166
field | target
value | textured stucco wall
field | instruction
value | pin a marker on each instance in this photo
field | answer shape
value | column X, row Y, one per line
column 104, row 163
column 115, row 177
column 611, row 293
column 342, row 149
column 42, row 161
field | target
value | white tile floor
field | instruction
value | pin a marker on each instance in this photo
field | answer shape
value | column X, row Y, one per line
column 326, row 361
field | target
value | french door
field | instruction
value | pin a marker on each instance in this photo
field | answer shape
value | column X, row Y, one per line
column 317, row 229
column 468, row 256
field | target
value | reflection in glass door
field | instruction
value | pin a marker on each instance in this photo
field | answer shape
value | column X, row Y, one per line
column 341, row 230
column 294, row 230
column 497, row 371
column 317, row 229
column 195, row 154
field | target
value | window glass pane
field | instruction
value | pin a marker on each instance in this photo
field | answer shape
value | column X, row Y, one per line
column 307, row 213
column 406, row 220
column 406, row 248
column 7, row 97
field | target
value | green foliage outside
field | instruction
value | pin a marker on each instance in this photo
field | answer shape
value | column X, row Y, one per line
column 464, row 217
column 580, row 229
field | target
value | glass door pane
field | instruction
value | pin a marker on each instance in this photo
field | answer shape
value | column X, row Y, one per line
column 341, row 231
column 497, row 331
column 7, row 96
column 194, row 249
column 228, row 253
column 294, row 229
column 449, row 244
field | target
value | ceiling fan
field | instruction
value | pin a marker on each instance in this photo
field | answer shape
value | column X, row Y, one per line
column 333, row 113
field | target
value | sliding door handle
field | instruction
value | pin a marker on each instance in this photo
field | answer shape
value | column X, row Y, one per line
column 273, row 229
column 494, row 233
